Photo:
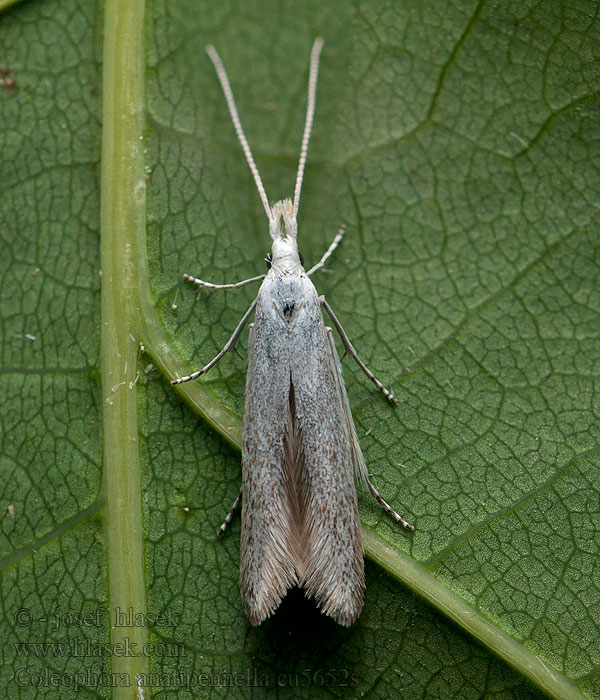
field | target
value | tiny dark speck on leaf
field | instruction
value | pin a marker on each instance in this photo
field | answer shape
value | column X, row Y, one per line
column 7, row 80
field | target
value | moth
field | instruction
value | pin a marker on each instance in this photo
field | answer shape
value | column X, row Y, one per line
column 300, row 451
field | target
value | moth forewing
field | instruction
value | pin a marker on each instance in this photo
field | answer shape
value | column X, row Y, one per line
column 268, row 551
column 332, row 536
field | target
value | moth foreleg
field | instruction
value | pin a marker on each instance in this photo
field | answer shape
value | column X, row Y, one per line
column 228, row 346
column 352, row 352
column 232, row 511
column 210, row 285
column 329, row 251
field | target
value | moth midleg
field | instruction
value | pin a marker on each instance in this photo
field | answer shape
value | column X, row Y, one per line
column 329, row 251
column 352, row 352
column 228, row 346
column 210, row 285
column 232, row 511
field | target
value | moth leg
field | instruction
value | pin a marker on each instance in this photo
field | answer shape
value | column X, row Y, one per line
column 235, row 285
column 329, row 251
column 352, row 352
column 357, row 457
column 228, row 346
column 388, row 509
column 238, row 500
column 229, row 518
column 236, row 351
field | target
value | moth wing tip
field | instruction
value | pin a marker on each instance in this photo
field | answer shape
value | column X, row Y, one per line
column 257, row 615
column 346, row 612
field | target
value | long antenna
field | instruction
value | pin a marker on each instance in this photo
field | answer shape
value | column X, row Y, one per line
column 310, row 113
column 235, row 118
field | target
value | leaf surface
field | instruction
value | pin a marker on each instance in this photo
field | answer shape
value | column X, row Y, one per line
column 459, row 146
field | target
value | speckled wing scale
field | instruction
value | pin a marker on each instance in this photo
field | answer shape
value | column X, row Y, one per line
column 300, row 452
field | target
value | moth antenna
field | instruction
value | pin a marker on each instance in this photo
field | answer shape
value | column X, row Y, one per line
column 310, row 113
column 235, row 118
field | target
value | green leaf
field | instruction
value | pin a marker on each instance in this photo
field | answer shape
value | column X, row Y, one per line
column 459, row 146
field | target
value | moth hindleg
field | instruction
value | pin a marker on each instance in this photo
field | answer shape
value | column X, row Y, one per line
column 238, row 500
column 361, row 467
column 232, row 511
column 388, row 509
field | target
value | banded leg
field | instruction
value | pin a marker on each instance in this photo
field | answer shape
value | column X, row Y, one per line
column 352, row 352
column 388, row 509
column 210, row 285
column 229, row 518
column 357, row 456
column 329, row 251
column 228, row 346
